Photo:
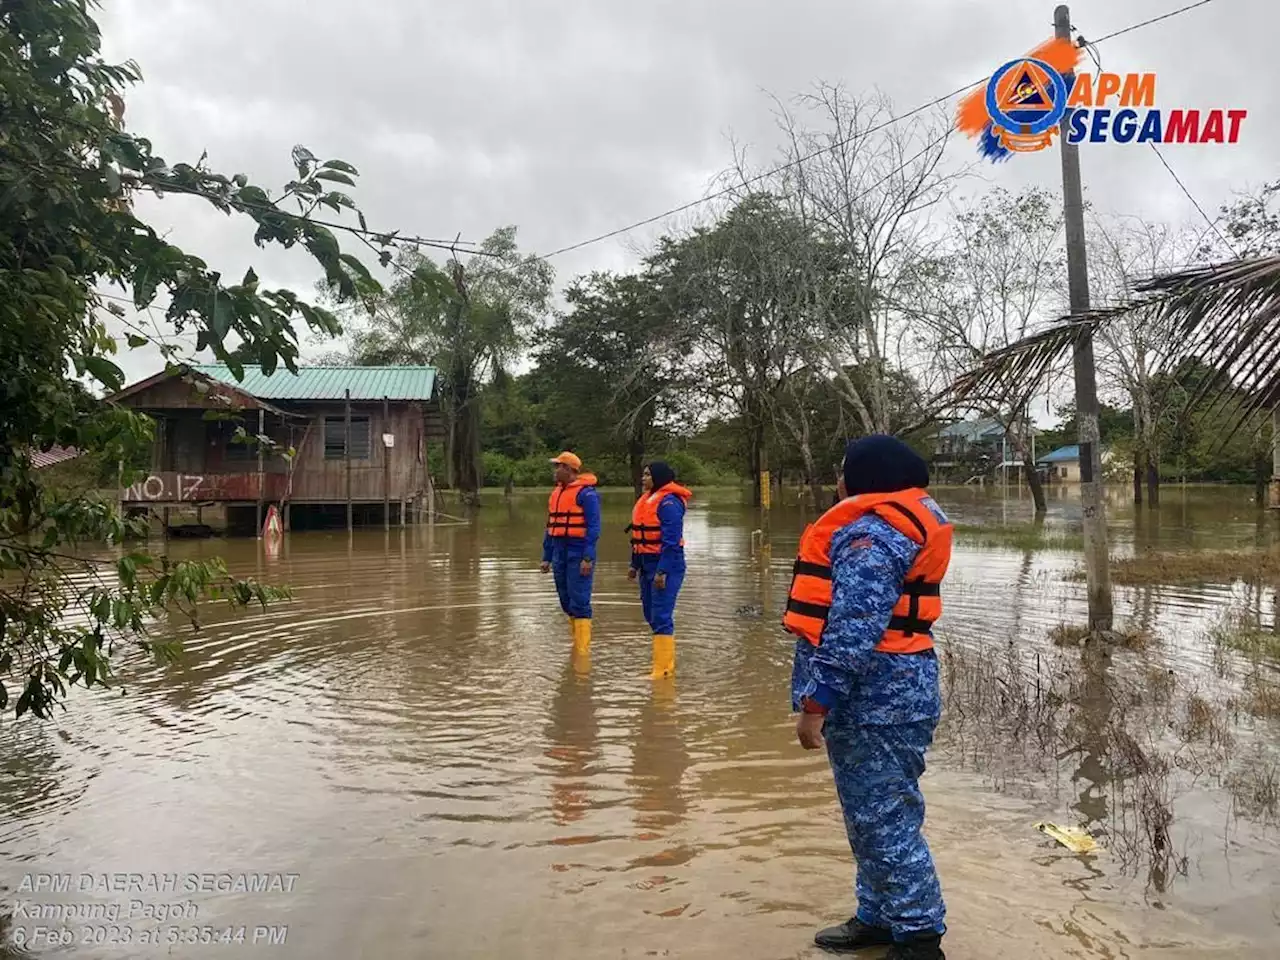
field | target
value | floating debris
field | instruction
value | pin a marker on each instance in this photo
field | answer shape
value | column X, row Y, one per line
column 1073, row 838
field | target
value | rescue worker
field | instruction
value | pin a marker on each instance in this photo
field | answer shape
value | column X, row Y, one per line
column 569, row 545
column 657, row 558
column 864, row 597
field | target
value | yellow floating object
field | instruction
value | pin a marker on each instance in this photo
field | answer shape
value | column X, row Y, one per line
column 1073, row 838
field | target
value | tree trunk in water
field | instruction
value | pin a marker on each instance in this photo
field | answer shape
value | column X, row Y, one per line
column 635, row 458
column 1153, row 480
column 1139, row 471
column 1030, row 472
column 466, row 445
column 754, row 443
column 1037, row 488
column 1261, row 480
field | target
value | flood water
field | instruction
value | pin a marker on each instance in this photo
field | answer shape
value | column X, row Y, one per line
column 411, row 741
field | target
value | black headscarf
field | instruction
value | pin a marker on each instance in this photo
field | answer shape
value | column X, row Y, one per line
column 662, row 474
column 882, row 464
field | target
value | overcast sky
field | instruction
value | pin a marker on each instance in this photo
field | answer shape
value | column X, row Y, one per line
column 570, row 119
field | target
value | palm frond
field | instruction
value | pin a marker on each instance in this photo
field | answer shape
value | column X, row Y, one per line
column 1224, row 317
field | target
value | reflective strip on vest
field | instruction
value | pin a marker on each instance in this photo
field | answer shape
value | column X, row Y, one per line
column 564, row 516
column 645, row 527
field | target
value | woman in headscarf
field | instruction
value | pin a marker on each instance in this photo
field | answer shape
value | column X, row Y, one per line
column 657, row 558
column 865, row 594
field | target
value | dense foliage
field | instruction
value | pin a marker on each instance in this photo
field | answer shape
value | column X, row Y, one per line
column 69, row 234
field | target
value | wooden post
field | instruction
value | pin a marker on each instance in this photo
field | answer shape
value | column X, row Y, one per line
column 346, row 452
column 431, row 499
column 262, row 466
column 1093, row 507
column 386, row 466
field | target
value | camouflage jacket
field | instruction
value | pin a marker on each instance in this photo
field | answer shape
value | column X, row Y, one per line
column 869, row 561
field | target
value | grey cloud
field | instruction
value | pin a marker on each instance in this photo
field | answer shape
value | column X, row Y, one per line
column 573, row 118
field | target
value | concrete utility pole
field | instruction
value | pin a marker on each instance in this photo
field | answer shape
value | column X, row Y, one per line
column 1096, row 562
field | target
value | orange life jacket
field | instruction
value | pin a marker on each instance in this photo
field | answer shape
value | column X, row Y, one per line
column 564, row 514
column 645, row 527
column 920, row 602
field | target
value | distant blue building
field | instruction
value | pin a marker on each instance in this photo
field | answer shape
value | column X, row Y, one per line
column 1063, row 464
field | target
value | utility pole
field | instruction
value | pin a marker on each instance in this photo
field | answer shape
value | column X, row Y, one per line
column 1093, row 507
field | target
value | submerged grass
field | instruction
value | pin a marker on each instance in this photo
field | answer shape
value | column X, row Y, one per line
column 1019, row 536
column 1189, row 569
column 1242, row 632
column 1079, row 635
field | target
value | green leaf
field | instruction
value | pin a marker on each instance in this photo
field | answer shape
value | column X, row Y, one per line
column 106, row 372
column 224, row 316
column 339, row 165
column 354, row 263
column 136, row 341
column 335, row 176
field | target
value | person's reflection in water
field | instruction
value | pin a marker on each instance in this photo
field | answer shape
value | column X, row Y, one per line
column 573, row 734
column 658, row 763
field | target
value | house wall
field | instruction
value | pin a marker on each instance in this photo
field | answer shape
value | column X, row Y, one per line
column 320, row 480
column 188, row 444
column 1063, row 471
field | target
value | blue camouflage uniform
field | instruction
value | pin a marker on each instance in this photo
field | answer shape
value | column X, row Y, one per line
column 883, row 709
column 660, row 605
column 565, row 554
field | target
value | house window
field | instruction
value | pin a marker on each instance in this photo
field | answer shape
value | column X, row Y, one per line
column 335, row 432
column 236, row 452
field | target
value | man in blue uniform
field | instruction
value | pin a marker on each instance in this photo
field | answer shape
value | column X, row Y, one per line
column 569, row 544
column 877, row 710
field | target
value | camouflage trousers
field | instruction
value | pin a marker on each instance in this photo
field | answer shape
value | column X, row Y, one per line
column 877, row 769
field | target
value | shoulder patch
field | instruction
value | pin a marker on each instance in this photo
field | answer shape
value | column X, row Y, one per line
column 861, row 543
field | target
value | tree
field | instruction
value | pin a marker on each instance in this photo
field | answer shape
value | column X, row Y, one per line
column 1251, row 225
column 469, row 320
column 1124, row 252
column 1219, row 317
column 989, row 286
column 68, row 174
column 863, row 188
column 734, row 287
column 611, row 365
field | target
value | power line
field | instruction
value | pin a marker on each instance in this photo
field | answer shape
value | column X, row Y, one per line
column 773, row 172
column 1090, row 47
column 1147, row 23
column 837, row 145
column 1213, row 224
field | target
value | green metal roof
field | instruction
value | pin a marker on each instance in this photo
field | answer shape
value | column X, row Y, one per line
column 329, row 383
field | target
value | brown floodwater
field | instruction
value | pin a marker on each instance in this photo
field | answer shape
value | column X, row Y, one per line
column 411, row 743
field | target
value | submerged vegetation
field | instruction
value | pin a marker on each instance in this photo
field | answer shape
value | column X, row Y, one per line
column 1019, row 536
column 1134, row 729
column 1190, row 569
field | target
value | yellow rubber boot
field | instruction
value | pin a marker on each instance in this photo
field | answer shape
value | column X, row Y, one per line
column 573, row 628
column 664, row 656
column 581, row 635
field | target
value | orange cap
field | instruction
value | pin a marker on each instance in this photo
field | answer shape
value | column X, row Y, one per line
column 571, row 460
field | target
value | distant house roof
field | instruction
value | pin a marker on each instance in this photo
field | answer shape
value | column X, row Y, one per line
column 47, row 458
column 329, row 383
column 972, row 430
column 1062, row 454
